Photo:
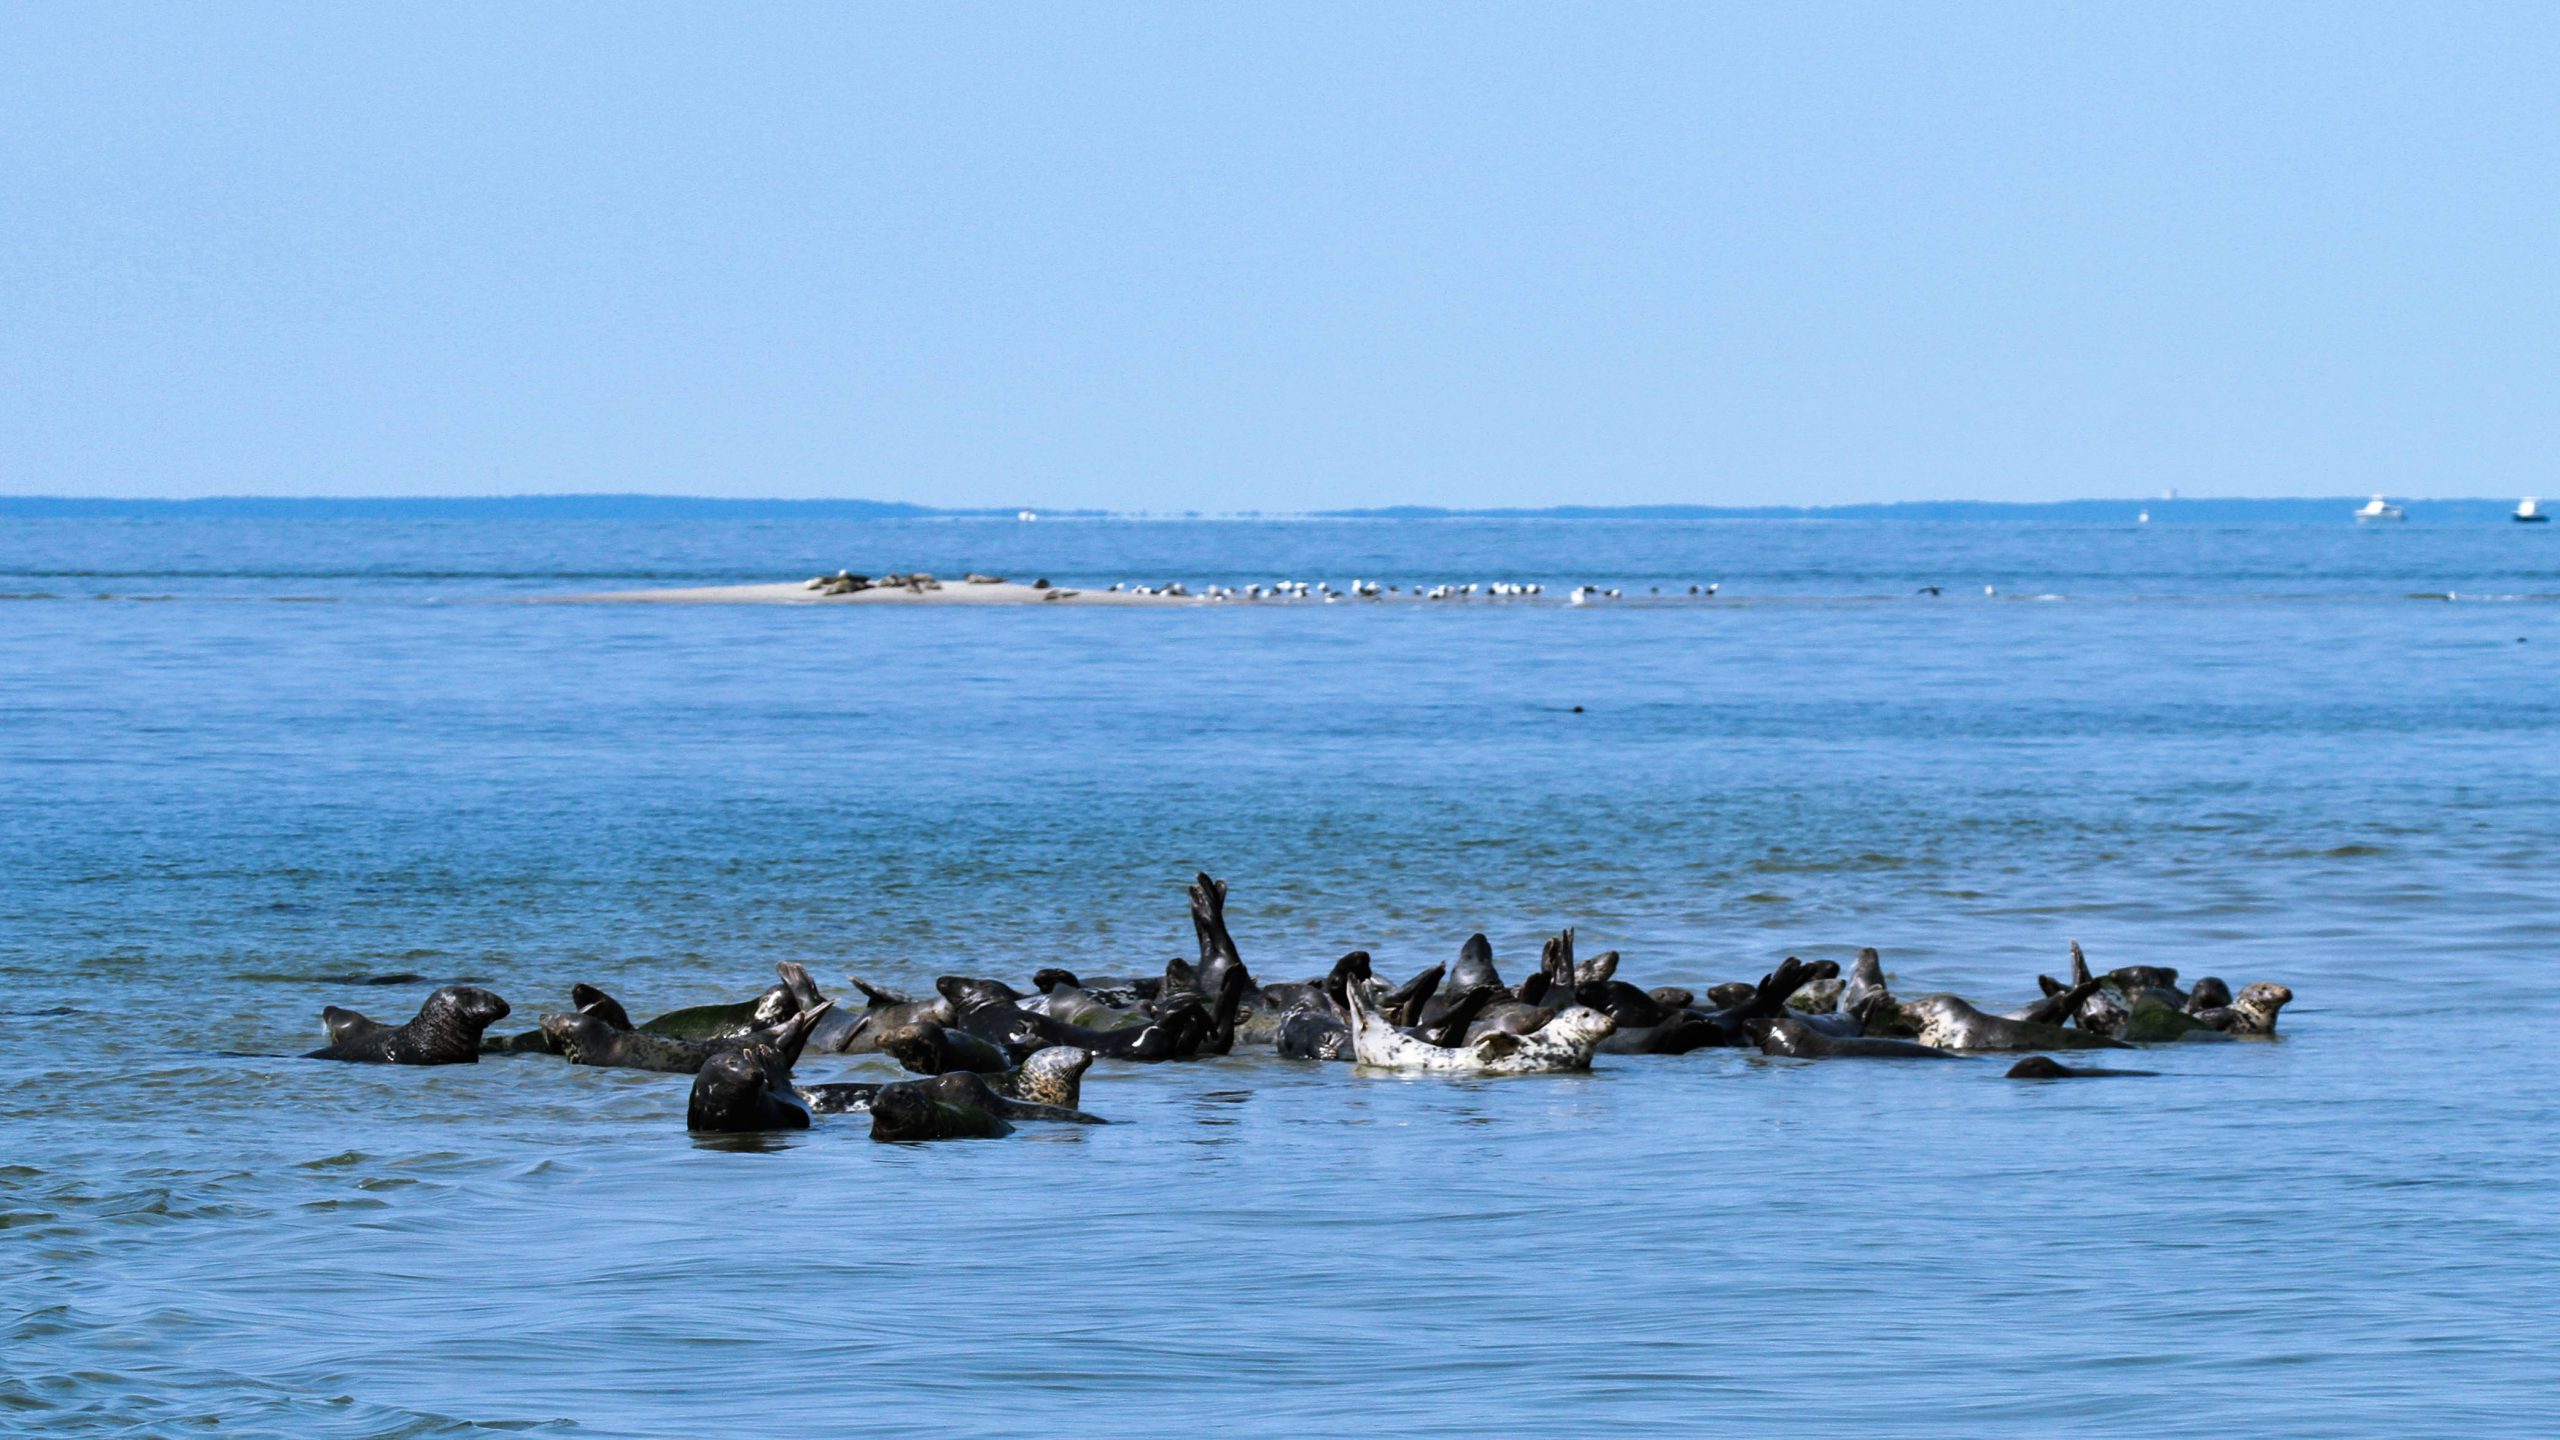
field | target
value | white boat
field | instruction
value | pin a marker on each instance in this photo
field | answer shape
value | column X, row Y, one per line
column 2530, row 512
column 2378, row 511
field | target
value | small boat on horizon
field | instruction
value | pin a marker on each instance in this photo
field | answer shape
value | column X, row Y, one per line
column 2530, row 512
column 2378, row 511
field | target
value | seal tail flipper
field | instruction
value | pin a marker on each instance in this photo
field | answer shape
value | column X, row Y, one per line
column 2079, row 965
column 1222, row 1023
column 1209, row 921
column 588, row 1000
column 878, row 995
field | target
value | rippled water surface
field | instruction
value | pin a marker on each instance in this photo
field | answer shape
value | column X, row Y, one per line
column 347, row 748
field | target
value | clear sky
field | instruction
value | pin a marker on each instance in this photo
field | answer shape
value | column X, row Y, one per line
column 1226, row 256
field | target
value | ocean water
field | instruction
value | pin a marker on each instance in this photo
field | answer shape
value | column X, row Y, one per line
column 290, row 750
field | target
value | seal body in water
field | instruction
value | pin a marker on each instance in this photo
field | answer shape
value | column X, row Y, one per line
column 2041, row 1067
column 745, row 1090
column 1801, row 1041
column 445, row 1031
column 925, row 1110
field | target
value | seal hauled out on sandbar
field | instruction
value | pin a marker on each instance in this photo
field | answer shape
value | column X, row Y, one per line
column 445, row 1031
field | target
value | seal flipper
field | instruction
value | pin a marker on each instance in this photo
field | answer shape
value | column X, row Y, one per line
column 593, row 1001
column 878, row 996
column 793, row 1033
column 1475, row 965
column 1496, row 1044
column 797, row 980
column 1403, row 1005
column 1450, row 1030
column 1222, row 1022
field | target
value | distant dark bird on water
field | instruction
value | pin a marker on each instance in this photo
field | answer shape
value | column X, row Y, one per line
column 1930, row 590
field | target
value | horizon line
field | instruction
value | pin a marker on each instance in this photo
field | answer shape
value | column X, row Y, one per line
column 603, row 504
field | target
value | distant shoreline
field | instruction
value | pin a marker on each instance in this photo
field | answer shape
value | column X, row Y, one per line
column 2330, row 510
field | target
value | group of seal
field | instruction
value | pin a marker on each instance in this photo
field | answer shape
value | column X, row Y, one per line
column 988, row 1055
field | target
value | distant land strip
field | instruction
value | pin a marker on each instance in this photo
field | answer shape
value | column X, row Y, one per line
column 2337, row 509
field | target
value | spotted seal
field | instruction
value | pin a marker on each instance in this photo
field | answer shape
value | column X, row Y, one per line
column 445, row 1031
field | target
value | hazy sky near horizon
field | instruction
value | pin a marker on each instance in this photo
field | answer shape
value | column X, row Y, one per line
column 1278, row 257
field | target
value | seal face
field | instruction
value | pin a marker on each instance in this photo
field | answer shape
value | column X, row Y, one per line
column 745, row 1090
column 445, row 1031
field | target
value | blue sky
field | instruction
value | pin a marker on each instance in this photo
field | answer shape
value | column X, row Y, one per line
column 1295, row 256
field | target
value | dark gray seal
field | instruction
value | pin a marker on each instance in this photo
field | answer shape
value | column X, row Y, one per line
column 743, row 1091
column 445, row 1031
column 1800, row 1041
column 2041, row 1067
column 586, row 1040
column 936, row 1109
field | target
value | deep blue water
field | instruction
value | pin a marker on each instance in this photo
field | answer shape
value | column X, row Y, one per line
column 349, row 747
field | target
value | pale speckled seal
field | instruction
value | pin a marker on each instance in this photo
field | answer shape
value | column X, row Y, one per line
column 445, row 1031
column 1564, row 1043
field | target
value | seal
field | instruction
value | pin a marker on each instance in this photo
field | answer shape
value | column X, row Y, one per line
column 445, row 1031
column 2041, row 1067
column 1564, row 1043
column 587, row 1040
column 987, row 1009
column 885, row 1010
column 1051, row 1077
column 726, row 1022
column 1795, row 1039
column 745, row 1090
column 1948, row 1023
column 2253, row 1011
column 909, row 1111
column 930, row 1049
